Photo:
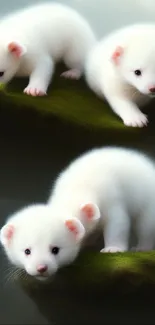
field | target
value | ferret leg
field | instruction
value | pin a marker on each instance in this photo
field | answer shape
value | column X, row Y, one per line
column 71, row 74
column 74, row 61
column 40, row 77
column 127, row 110
column 116, row 229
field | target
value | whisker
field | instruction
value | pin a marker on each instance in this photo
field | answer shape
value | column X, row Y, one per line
column 13, row 274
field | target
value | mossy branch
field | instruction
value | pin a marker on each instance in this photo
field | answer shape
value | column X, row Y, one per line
column 68, row 100
column 99, row 269
column 96, row 271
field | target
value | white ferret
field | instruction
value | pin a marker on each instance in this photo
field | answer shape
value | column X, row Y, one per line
column 121, row 68
column 107, row 187
column 33, row 39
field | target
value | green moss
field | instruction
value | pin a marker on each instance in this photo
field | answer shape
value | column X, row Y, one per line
column 2, row 87
column 68, row 100
column 103, row 266
column 96, row 272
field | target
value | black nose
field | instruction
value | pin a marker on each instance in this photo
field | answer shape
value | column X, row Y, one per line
column 152, row 90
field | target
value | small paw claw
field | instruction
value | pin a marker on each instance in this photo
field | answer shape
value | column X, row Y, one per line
column 136, row 120
column 111, row 249
column 71, row 74
column 34, row 91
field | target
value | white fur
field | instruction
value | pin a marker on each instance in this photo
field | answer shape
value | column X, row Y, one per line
column 123, row 90
column 48, row 33
column 118, row 183
column 121, row 182
column 36, row 229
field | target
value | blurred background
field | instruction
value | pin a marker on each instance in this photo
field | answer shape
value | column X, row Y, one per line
column 104, row 15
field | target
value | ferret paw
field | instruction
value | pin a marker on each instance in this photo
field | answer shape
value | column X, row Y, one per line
column 71, row 74
column 111, row 249
column 34, row 91
column 136, row 120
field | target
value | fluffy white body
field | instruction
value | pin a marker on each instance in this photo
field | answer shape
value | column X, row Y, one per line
column 121, row 183
column 107, row 187
column 33, row 39
column 121, row 68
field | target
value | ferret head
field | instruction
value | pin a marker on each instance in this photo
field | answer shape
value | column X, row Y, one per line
column 136, row 63
column 38, row 240
column 10, row 57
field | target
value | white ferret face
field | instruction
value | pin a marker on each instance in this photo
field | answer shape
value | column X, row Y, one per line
column 136, row 63
column 36, row 240
column 10, row 60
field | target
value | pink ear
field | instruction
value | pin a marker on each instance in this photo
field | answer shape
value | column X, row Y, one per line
column 6, row 233
column 75, row 227
column 16, row 49
column 117, row 54
column 90, row 211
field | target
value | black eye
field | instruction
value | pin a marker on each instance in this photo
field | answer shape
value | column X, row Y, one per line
column 55, row 250
column 138, row 72
column 1, row 73
column 27, row 251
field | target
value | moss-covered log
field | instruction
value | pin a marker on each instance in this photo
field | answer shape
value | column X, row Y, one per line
column 94, row 285
column 99, row 269
column 96, row 271
column 67, row 99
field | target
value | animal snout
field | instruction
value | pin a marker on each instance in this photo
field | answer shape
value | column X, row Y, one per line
column 152, row 90
column 42, row 268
